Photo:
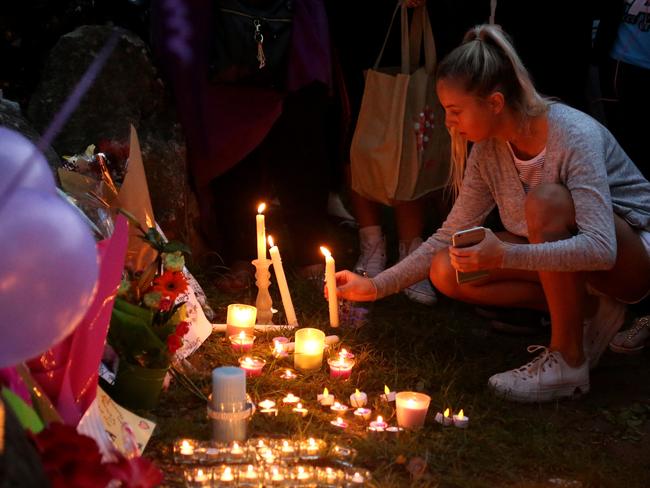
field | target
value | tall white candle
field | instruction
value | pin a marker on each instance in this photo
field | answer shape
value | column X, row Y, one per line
column 261, row 232
column 282, row 283
column 330, row 282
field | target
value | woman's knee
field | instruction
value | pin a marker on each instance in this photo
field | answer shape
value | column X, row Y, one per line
column 443, row 274
column 550, row 213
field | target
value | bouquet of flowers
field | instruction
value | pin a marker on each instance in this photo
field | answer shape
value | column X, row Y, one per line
column 148, row 322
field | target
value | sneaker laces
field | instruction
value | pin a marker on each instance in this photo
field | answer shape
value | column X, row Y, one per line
column 538, row 365
column 368, row 252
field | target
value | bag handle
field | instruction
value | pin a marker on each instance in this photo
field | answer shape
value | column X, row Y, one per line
column 421, row 31
column 411, row 39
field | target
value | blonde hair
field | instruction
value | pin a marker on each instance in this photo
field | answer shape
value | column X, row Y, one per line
column 484, row 63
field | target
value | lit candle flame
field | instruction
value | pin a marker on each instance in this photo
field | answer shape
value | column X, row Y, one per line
column 261, row 207
column 410, row 403
column 461, row 414
column 357, row 392
column 311, row 441
column 325, row 392
column 270, row 239
column 446, row 414
column 242, row 335
column 380, row 419
column 325, row 252
column 386, row 389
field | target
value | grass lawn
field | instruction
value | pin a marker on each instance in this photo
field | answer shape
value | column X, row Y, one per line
column 448, row 352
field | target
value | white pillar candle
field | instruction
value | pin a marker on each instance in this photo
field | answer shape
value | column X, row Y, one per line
column 330, row 283
column 282, row 283
column 411, row 409
column 261, row 232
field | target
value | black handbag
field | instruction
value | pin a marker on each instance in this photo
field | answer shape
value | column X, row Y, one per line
column 250, row 42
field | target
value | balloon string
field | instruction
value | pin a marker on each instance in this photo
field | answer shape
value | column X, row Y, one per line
column 63, row 114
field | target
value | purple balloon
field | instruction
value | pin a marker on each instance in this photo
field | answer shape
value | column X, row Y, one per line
column 48, row 260
column 16, row 151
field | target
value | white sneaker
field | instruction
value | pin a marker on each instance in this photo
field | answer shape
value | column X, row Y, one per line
column 422, row 291
column 545, row 378
column 602, row 327
column 372, row 260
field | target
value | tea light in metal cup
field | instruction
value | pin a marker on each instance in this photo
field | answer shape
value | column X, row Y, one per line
column 460, row 420
column 302, row 474
column 248, row 476
column 300, row 410
column 198, row 477
column 329, row 477
column 339, row 408
column 287, row 374
column 290, row 399
column 363, row 413
column 253, row 365
column 184, row 451
column 326, row 399
column 267, row 407
column 236, row 453
column 224, row 476
column 286, row 450
column 378, row 424
column 340, row 423
column 358, row 399
column 444, row 418
column 275, row 476
column 242, row 342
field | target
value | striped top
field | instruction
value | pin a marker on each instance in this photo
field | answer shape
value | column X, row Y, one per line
column 529, row 171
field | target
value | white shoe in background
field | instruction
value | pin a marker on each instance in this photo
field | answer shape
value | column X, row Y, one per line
column 372, row 244
column 422, row 291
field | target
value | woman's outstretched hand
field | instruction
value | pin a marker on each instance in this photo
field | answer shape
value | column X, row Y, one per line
column 487, row 254
column 354, row 287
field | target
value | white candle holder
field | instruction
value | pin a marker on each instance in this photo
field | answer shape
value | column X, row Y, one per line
column 263, row 301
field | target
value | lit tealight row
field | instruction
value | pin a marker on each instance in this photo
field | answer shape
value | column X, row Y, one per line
column 459, row 419
column 275, row 475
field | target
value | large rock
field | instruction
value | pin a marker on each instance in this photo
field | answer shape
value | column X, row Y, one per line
column 127, row 91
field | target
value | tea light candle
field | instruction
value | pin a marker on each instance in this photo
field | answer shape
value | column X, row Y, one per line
column 279, row 350
column 300, row 410
column 276, row 475
column 339, row 408
column 303, row 474
column 378, row 424
column 388, row 396
column 288, row 374
column 308, row 353
column 330, row 283
column 311, row 448
column 363, row 413
column 330, row 476
column 357, row 479
column 339, row 422
column 340, row 368
column 240, row 318
column 261, row 232
column 253, row 365
column 282, row 283
column 184, row 451
column 264, row 405
column 358, row 399
column 290, row 399
column 460, row 420
column 197, row 477
column 326, row 399
column 394, row 429
column 236, row 451
column 227, row 476
column 242, row 342
column 287, row 448
column 444, row 418
column 411, row 409
column 250, row 473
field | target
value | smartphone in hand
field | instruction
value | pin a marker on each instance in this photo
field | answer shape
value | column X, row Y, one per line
column 467, row 238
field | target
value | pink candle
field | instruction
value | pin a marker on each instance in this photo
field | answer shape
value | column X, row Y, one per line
column 411, row 409
column 339, row 422
column 252, row 365
column 242, row 342
column 340, row 367
column 378, row 424
column 279, row 349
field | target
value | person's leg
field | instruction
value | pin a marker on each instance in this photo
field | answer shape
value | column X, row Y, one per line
column 372, row 242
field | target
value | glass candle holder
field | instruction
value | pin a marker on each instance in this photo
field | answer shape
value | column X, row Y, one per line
column 225, row 476
column 330, row 477
column 278, row 350
column 240, row 318
column 357, row 477
column 248, row 476
column 286, row 450
column 302, row 476
column 210, row 453
column 340, row 367
column 185, row 451
column 239, row 453
column 198, row 477
column 308, row 353
column 275, row 475
column 253, row 365
column 343, row 454
column 311, row 448
column 411, row 409
column 241, row 342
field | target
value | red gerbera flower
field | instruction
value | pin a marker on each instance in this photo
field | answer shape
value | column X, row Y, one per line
column 170, row 284
column 182, row 328
column 174, row 343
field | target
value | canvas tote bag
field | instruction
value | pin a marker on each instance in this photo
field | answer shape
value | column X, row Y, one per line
column 401, row 148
